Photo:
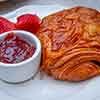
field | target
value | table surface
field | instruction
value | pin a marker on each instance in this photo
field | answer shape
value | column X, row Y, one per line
column 14, row 4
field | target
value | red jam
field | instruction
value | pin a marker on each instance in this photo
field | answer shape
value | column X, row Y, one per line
column 15, row 49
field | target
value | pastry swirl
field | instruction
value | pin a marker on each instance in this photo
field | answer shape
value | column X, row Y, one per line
column 71, row 44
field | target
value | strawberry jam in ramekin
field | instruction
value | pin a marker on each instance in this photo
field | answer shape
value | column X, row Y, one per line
column 15, row 49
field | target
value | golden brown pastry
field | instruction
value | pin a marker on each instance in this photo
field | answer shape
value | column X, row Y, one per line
column 71, row 44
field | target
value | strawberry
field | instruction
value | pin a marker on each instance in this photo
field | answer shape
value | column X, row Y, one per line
column 28, row 22
column 6, row 25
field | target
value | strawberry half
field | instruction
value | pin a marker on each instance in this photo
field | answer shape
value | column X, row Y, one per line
column 28, row 22
column 6, row 25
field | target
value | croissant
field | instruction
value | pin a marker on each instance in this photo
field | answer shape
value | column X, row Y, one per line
column 71, row 44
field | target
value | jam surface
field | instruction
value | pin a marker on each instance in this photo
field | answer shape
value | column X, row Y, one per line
column 15, row 49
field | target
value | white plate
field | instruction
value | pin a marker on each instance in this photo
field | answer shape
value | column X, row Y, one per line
column 47, row 89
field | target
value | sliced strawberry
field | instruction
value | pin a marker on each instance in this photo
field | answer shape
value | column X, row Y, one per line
column 28, row 22
column 6, row 25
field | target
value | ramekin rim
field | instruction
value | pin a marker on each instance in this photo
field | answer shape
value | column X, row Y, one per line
column 37, row 50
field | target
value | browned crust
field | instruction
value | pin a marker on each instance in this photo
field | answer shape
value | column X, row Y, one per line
column 70, row 42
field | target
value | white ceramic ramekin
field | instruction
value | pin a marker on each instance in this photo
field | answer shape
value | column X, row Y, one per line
column 20, row 72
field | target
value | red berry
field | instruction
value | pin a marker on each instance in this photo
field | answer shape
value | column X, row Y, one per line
column 6, row 25
column 28, row 22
